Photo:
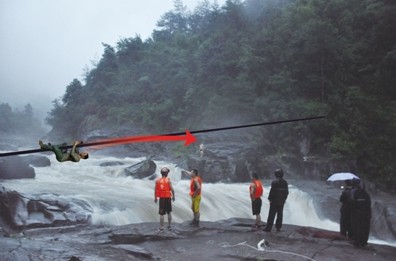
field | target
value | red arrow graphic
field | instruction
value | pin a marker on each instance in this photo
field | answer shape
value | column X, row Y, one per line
column 188, row 138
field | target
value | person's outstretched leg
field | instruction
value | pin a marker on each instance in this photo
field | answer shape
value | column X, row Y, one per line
column 279, row 217
column 170, row 221
column 270, row 219
column 54, row 148
column 161, row 228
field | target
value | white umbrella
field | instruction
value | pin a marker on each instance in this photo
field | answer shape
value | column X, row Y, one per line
column 342, row 176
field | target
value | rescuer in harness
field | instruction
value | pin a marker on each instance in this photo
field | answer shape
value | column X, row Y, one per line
column 62, row 154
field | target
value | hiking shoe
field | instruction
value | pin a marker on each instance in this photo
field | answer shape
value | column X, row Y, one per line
column 194, row 223
column 255, row 227
column 169, row 227
column 161, row 229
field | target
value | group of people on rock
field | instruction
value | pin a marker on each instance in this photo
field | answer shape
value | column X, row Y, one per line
column 277, row 198
column 355, row 212
column 355, row 209
column 165, row 194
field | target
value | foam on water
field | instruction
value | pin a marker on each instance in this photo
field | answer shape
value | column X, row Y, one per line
column 117, row 199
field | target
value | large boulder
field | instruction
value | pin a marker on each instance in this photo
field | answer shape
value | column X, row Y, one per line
column 141, row 169
column 12, row 210
column 15, row 168
column 37, row 161
column 224, row 162
column 19, row 212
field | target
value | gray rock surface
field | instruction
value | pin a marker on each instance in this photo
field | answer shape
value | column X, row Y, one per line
column 19, row 213
column 231, row 239
column 15, row 168
column 141, row 169
column 37, row 160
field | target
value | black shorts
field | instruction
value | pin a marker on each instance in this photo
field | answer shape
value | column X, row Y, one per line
column 165, row 206
column 256, row 206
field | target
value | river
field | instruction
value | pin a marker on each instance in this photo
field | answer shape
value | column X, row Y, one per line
column 117, row 199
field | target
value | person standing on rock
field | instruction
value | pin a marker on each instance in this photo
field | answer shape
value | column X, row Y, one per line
column 256, row 191
column 277, row 198
column 360, row 214
column 165, row 192
column 345, row 210
column 201, row 149
column 195, row 194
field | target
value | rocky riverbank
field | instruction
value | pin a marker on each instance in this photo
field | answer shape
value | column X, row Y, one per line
column 231, row 239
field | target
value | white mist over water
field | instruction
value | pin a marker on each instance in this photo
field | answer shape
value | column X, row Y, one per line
column 119, row 200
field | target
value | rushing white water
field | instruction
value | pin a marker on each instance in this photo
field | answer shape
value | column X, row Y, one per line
column 119, row 200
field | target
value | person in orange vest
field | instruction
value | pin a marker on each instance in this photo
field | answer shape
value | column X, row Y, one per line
column 195, row 194
column 164, row 191
column 256, row 192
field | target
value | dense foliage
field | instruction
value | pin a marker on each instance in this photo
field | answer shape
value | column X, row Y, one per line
column 18, row 122
column 251, row 61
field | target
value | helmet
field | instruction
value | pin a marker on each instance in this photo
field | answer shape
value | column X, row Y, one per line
column 164, row 171
column 278, row 173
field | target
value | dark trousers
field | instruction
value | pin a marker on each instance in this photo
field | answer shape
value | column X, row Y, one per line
column 59, row 153
column 345, row 223
column 360, row 228
column 275, row 209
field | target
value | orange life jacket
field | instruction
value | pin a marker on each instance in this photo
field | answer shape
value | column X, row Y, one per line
column 162, row 188
column 258, row 192
column 192, row 185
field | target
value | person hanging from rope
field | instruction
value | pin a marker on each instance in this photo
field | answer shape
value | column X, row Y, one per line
column 62, row 154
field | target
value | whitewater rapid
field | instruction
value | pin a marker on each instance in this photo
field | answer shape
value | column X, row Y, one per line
column 117, row 199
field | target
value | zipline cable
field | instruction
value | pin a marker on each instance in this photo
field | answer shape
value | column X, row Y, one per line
column 110, row 141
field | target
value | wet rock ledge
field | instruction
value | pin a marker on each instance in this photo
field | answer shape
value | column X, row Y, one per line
column 231, row 239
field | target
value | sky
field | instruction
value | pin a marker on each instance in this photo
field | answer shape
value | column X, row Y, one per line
column 45, row 44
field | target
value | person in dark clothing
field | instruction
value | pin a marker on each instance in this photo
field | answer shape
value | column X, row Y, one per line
column 345, row 210
column 360, row 214
column 277, row 198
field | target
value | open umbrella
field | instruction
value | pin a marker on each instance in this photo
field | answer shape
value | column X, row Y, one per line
column 342, row 176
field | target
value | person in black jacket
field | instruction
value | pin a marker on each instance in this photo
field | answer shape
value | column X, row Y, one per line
column 345, row 210
column 277, row 198
column 360, row 214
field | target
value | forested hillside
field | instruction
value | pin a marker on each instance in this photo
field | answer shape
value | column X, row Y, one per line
column 252, row 61
column 14, row 122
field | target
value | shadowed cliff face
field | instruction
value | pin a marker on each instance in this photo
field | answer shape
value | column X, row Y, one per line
column 231, row 239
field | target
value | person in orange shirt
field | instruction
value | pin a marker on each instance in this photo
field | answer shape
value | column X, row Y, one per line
column 256, row 192
column 164, row 191
column 195, row 194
